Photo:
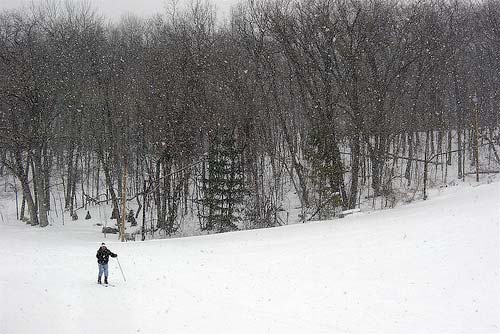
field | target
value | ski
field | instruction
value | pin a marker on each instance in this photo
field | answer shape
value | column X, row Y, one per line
column 106, row 285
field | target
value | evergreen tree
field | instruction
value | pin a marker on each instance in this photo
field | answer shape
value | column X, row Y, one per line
column 326, row 171
column 223, row 187
column 131, row 218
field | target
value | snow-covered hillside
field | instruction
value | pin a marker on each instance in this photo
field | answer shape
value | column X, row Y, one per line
column 427, row 267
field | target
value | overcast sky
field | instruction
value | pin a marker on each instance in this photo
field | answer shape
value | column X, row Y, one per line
column 114, row 9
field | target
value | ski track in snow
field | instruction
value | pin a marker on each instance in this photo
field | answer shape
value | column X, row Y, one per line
column 426, row 267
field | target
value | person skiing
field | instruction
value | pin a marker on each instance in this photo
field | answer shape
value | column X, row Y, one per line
column 103, row 254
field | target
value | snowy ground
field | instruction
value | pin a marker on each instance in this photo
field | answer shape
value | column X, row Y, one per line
column 427, row 267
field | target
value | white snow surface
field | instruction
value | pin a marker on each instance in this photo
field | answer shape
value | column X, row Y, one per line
column 425, row 267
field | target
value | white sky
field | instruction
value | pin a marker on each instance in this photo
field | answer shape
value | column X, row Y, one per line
column 115, row 9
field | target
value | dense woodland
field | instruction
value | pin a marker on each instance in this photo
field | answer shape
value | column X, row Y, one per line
column 341, row 101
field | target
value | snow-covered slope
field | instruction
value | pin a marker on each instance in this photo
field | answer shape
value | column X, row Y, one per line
column 427, row 267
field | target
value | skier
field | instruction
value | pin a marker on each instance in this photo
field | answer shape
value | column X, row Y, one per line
column 102, row 256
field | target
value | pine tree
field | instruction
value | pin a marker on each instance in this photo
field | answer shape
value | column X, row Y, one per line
column 131, row 218
column 223, row 187
column 326, row 171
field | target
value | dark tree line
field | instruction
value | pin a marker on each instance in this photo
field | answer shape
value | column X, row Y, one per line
column 340, row 100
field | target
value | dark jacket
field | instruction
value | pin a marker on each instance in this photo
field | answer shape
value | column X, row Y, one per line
column 103, row 255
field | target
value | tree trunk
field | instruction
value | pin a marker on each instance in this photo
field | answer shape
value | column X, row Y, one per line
column 27, row 197
column 109, row 184
column 355, row 153
column 448, row 155
column 39, row 181
column 124, row 199
column 410, row 157
column 69, row 185
column 459, row 160
column 377, row 159
column 46, row 176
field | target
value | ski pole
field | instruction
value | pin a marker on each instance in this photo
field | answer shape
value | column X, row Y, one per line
column 119, row 265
